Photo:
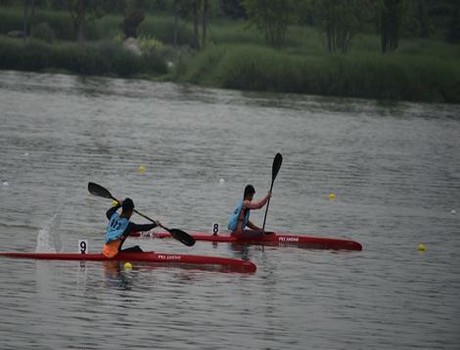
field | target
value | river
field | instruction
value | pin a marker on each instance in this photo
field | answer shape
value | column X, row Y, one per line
column 184, row 154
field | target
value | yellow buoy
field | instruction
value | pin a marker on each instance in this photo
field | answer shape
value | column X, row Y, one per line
column 421, row 247
column 141, row 169
column 128, row 266
column 331, row 196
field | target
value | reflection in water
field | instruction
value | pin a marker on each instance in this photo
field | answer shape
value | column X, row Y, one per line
column 240, row 250
column 115, row 276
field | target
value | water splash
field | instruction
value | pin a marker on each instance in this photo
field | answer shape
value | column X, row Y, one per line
column 49, row 239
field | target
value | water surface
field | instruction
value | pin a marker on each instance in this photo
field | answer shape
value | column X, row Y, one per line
column 394, row 168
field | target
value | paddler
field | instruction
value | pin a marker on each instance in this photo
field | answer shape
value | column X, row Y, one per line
column 119, row 228
column 239, row 219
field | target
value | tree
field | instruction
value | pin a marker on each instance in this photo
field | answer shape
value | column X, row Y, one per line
column 199, row 11
column 79, row 10
column 272, row 17
column 340, row 20
column 204, row 22
column 134, row 15
column 391, row 15
column 422, row 19
column 196, row 18
column 233, row 9
column 453, row 34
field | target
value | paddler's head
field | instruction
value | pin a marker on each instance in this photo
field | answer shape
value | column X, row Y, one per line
column 127, row 208
column 249, row 192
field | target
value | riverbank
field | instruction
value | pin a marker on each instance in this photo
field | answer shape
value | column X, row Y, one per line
column 236, row 58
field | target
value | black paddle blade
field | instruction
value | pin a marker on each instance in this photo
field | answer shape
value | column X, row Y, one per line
column 99, row 191
column 276, row 165
column 181, row 236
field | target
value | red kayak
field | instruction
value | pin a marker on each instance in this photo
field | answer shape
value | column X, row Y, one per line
column 273, row 238
column 164, row 259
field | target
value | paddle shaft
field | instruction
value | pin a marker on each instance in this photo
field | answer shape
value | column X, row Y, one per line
column 275, row 169
column 266, row 210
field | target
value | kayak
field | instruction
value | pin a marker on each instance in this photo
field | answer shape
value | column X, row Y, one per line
column 165, row 259
column 272, row 238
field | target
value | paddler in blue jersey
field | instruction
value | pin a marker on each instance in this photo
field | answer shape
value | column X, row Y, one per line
column 119, row 228
column 239, row 219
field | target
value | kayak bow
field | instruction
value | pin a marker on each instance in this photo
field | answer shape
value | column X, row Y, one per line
column 220, row 263
column 274, row 239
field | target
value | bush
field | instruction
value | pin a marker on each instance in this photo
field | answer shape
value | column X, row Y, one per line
column 44, row 32
column 101, row 58
column 372, row 75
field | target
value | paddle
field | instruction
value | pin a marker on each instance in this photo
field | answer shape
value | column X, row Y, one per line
column 180, row 235
column 275, row 169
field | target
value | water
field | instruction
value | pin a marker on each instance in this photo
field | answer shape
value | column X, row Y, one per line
column 395, row 170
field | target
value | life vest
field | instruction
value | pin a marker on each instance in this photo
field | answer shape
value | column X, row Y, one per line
column 234, row 217
column 115, row 228
column 111, row 249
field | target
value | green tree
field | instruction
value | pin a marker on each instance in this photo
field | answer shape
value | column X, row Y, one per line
column 233, row 9
column 340, row 20
column 204, row 22
column 198, row 11
column 83, row 10
column 134, row 15
column 391, row 17
column 423, row 19
column 272, row 17
column 453, row 34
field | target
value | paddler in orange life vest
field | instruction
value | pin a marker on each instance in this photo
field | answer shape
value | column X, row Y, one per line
column 119, row 228
column 239, row 219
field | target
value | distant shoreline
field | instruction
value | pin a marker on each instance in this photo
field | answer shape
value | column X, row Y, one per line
column 422, row 70
column 250, row 68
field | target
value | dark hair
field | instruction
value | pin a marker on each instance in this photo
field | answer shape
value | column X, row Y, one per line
column 127, row 205
column 249, row 190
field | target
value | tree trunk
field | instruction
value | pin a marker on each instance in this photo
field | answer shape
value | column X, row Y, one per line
column 176, row 18
column 32, row 20
column 26, row 14
column 423, row 19
column 195, row 11
column 204, row 21
column 80, row 21
column 390, row 25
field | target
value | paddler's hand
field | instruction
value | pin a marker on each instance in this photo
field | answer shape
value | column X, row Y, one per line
column 158, row 223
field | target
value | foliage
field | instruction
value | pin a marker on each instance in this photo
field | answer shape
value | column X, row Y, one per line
column 453, row 34
column 149, row 43
column 390, row 23
column 272, row 17
column 340, row 20
column 133, row 18
column 80, row 10
column 162, row 28
column 44, row 32
column 233, row 9
column 101, row 58
column 369, row 75
column 419, row 70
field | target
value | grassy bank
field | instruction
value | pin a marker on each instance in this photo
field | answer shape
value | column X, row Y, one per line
column 236, row 58
column 421, row 70
column 369, row 75
column 97, row 58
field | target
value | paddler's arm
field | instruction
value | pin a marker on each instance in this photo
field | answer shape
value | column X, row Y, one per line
column 253, row 227
column 112, row 210
column 132, row 227
column 257, row 204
